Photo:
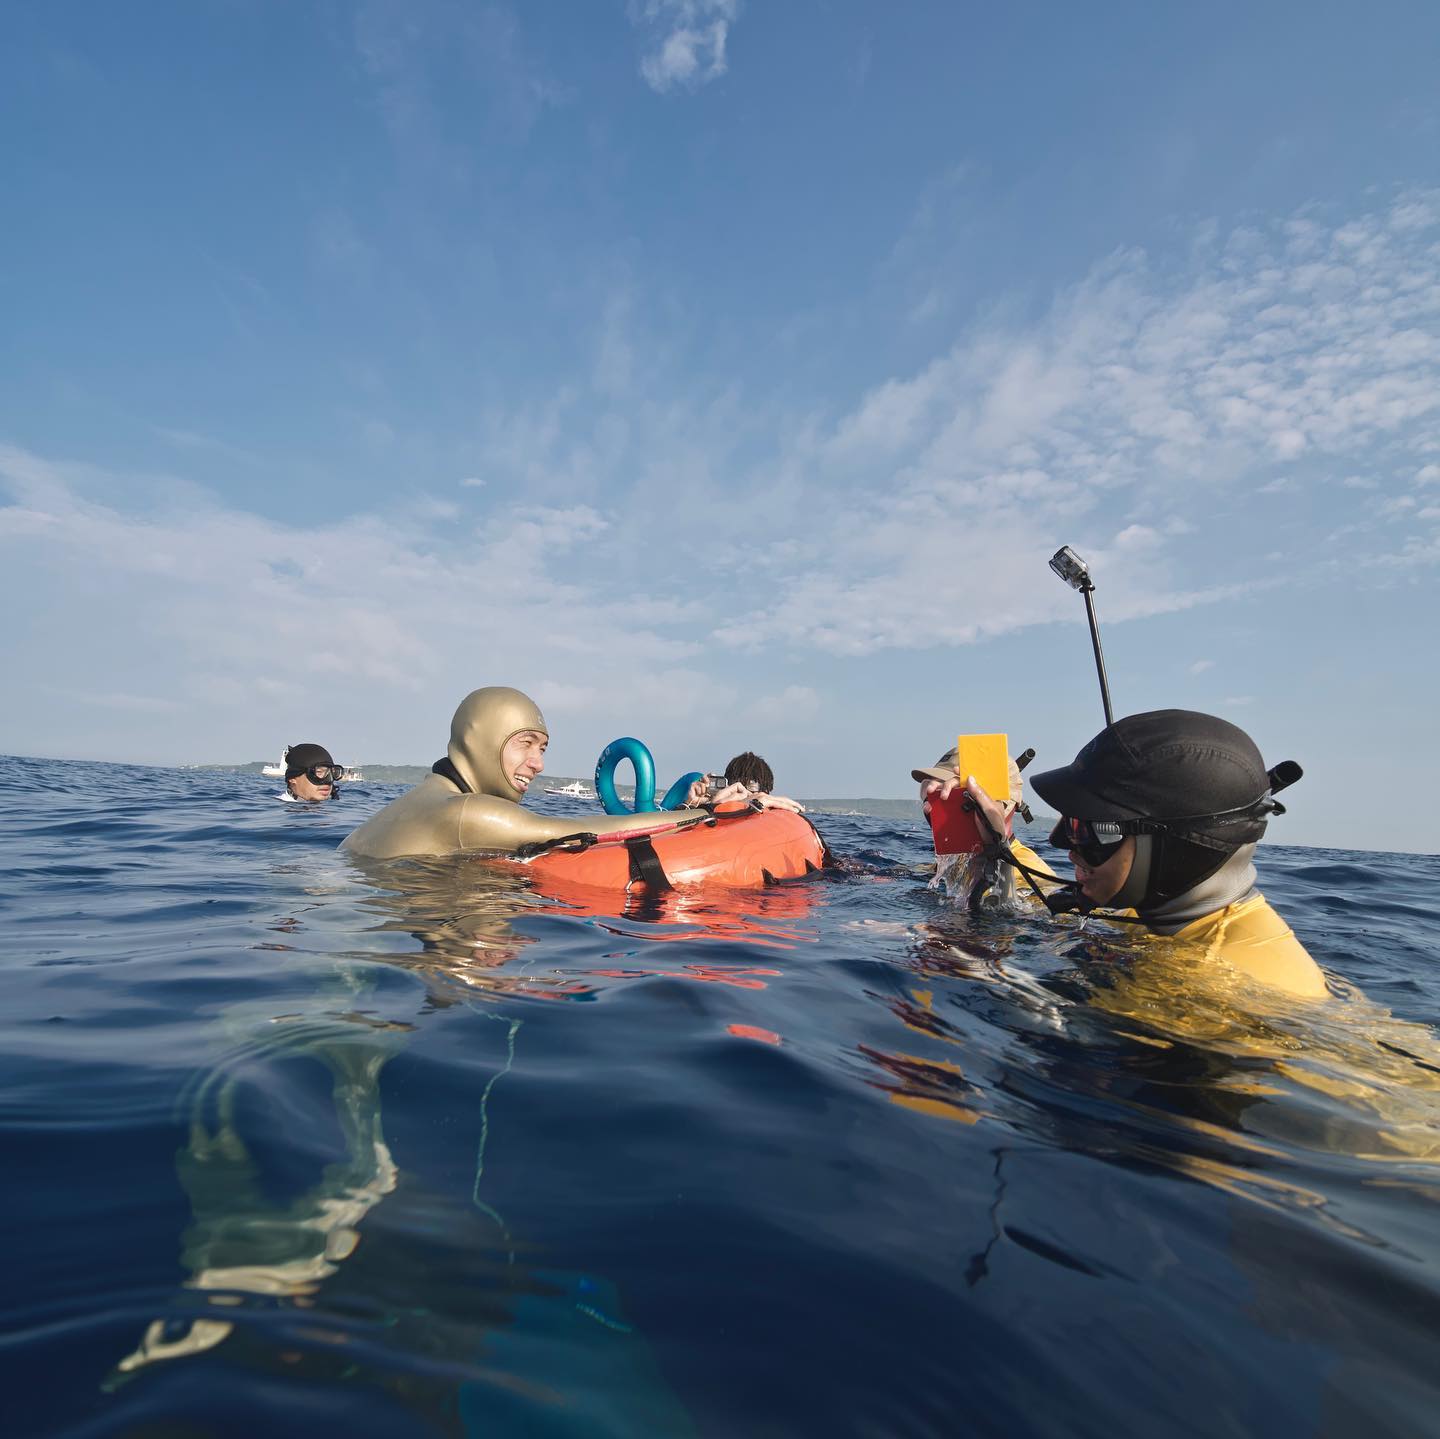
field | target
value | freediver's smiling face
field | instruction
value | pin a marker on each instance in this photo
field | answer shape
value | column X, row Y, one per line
column 523, row 757
column 1103, row 882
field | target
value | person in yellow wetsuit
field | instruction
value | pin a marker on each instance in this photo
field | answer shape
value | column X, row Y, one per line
column 1161, row 813
column 471, row 798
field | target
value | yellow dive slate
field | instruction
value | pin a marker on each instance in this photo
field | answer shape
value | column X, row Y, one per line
column 987, row 757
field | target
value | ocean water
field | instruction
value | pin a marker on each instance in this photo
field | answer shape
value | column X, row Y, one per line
column 293, row 1147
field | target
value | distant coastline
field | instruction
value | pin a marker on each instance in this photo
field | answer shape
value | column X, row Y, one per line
column 414, row 773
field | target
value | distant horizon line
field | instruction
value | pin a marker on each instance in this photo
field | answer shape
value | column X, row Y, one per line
column 816, row 802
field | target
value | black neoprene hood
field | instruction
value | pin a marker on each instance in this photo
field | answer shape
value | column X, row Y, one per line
column 1163, row 764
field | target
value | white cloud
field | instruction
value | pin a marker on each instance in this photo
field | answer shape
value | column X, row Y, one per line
column 795, row 705
column 210, row 610
column 1299, row 345
column 472, row 482
column 115, row 700
column 1137, row 537
column 1428, row 475
column 1200, row 666
column 1133, row 419
column 687, row 41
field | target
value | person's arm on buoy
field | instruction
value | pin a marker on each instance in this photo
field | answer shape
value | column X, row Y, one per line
column 491, row 824
column 779, row 801
column 700, row 794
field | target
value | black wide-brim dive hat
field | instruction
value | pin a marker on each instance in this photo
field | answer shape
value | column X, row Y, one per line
column 1164, row 764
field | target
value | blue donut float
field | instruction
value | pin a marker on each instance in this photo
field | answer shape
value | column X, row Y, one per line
column 643, row 763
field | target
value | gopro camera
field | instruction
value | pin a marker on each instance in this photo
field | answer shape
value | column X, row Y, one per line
column 1071, row 568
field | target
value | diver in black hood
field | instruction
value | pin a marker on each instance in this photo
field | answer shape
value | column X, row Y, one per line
column 1161, row 813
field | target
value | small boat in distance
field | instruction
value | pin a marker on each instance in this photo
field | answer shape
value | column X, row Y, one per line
column 276, row 771
column 577, row 788
column 350, row 774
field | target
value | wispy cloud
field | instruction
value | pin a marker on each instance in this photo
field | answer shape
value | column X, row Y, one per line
column 1277, row 355
column 1135, row 418
column 687, row 40
column 410, row 51
column 209, row 606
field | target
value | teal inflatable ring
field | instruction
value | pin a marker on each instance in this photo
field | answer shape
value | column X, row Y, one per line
column 643, row 763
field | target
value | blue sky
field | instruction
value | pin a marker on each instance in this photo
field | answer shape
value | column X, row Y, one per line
column 724, row 373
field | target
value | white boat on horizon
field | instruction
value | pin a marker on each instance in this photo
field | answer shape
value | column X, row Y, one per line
column 577, row 789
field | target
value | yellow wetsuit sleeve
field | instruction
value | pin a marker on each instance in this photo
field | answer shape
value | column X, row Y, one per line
column 1031, row 860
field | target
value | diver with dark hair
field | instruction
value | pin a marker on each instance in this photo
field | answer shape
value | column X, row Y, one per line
column 746, row 777
column 1161, row 813
column 752, row 771
column 310, row 773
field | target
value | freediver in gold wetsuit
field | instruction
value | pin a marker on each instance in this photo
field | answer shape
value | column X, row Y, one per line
column 471, row 800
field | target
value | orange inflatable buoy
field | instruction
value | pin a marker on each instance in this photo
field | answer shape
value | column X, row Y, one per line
column 737, row 848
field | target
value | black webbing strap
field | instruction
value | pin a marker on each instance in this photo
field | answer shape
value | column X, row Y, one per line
column 576, row 843
column 1064, row 899
column 645, row 864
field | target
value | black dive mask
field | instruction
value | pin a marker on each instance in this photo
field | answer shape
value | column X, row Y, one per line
column 319, row 774
column 1094, row 840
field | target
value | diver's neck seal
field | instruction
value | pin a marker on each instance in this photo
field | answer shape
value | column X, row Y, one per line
column 445, row 768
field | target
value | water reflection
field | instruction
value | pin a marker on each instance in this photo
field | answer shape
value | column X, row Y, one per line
column 276, row 1269
column 1135, row 1052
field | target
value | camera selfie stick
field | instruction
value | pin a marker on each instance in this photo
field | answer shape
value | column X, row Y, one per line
column 1076, row 573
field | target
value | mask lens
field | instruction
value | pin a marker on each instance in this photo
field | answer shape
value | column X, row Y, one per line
column 1093, row 840
column 323, row 774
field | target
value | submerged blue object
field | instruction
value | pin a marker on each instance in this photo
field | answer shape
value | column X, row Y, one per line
column 643, row 763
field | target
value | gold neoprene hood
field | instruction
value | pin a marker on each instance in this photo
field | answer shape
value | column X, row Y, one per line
column 483, row 724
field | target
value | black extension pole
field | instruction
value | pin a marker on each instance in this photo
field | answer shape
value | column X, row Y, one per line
column 1076, row 573
column 1089, row 592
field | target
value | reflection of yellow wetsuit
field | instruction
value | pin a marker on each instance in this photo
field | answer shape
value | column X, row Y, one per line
column 470, row 803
